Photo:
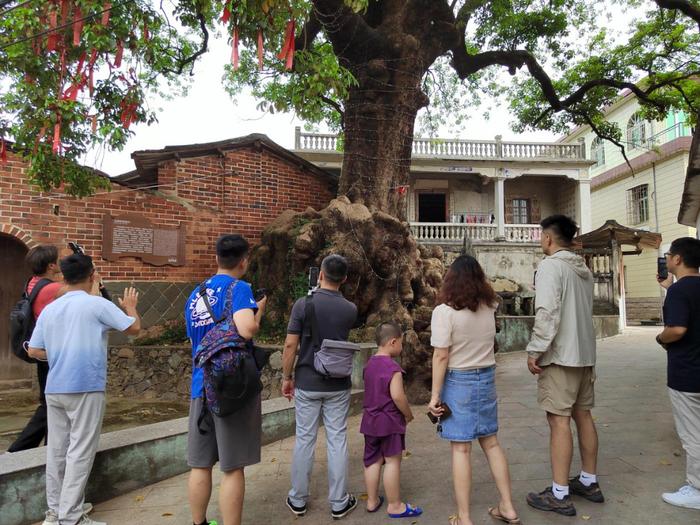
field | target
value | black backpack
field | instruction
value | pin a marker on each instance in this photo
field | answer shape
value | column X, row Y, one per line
column 22, row 321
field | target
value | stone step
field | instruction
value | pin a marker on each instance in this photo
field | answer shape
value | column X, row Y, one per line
column 14, row 385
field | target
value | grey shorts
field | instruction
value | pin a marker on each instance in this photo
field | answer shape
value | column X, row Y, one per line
column 233, row 441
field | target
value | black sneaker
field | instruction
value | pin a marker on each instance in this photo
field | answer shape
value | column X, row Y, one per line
column 298, row 511
column 591, row 493
column 546, row 500
column 352, row 503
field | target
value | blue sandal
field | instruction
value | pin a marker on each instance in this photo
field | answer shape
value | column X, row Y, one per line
column 410, row 512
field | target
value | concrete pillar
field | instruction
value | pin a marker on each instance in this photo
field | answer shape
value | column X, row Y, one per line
column 583, row 206
column 500, row 205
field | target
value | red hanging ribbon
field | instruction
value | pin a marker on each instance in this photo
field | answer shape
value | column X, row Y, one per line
column 260, row 49
column 3, row 151
column 52, row 40
column 56, row 138
column 226, row 16
column 94, row 123
column 146, row 34
column 118, row 54
column 401, row 190
column 77, row 26
column 287, row 52
column 65, row 11
column 234, row 48
column 107, row 10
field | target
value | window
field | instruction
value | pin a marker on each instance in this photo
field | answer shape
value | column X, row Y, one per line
column 521, row 211
column 598, row 151
column 636, row 131
column 638, row 204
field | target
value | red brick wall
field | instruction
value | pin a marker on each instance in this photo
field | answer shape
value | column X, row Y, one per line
column 238, row 193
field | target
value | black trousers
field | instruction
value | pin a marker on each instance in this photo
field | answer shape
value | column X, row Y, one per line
column 36, row 430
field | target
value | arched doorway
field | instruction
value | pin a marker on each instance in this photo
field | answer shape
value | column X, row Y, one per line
column 13, row 276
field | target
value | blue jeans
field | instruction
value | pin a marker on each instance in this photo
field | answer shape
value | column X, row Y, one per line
column 334, row 408
column 471, row 395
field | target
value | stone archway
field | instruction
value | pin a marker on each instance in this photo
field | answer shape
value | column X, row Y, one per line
column 12, row 280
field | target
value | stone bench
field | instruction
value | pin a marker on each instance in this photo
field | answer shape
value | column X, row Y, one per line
column 135, row 457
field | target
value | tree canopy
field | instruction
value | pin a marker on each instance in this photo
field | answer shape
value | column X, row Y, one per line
column 75, row 74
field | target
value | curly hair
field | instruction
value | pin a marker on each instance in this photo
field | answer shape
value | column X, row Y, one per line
column 465, row 286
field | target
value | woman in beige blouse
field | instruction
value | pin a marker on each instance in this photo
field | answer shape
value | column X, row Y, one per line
column 464, row 366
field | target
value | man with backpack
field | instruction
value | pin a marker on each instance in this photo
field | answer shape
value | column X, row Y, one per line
column 71, row 334
column 316, row 395
column 233, row 440
column 41, row 289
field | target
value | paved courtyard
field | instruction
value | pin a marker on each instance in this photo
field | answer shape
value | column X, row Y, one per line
column 640, row 457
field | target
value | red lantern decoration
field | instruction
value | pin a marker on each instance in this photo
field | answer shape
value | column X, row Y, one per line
column 234, row 48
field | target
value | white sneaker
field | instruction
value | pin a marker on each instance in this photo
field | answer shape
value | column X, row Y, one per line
column 52, row 517
column 86, row 520
column 686, row 496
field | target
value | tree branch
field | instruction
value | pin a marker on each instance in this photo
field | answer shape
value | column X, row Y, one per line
column 683, row 6
column 194, row 56
column 308, row 34
column 332, row 103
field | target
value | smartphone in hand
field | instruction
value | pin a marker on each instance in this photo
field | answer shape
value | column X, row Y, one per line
column 662, row 268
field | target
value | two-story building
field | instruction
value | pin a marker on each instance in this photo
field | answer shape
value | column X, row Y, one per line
column 491, row 192
column 644, row 194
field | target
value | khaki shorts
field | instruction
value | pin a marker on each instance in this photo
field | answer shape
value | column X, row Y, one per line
column 560, row 389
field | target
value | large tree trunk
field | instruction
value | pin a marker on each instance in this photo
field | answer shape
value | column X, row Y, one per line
column 379, row 118
column 388, row 50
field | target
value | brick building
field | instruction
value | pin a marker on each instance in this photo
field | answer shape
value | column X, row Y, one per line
column 236, row 185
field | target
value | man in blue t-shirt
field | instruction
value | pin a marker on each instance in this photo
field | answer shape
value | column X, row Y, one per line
column 681, row 339
column 71, row 333
column 234, row 441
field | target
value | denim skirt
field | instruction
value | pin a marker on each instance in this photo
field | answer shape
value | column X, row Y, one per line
column 471, row 395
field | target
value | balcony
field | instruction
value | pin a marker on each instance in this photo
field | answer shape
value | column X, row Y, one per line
column 456, row 148
column 455, row 233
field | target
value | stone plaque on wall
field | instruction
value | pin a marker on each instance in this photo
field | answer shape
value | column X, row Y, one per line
column 135, row 236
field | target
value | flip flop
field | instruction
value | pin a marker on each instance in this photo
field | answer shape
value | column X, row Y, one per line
column 379, row 505
column 410, row 512
column 495, row 513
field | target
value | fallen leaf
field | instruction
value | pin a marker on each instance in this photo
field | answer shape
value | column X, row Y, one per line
column 273, row 460
column 407, row 454
column 677, row 454
column 362, row 497
column 167, row 514
column 665, row 462
column 585, row 518
column 138, row 498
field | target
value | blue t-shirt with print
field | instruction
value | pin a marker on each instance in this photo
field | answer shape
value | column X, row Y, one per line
column 198, row 321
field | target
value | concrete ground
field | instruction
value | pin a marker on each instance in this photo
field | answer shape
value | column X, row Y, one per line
column 640, row 456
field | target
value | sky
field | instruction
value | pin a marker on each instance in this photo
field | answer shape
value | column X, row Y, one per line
column 209, row 114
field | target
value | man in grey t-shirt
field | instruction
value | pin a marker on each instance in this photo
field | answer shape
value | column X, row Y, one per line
column 316, row 396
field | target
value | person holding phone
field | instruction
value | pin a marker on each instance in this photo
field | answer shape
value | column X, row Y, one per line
column 681, row 340
column 316, row 396
column 464, row 389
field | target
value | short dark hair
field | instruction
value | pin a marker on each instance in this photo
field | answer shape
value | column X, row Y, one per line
column 564, row 228
column 335, row 268
column 76, row 268
column 231, row 250
column 386, row 331
column 688, row 249
column 39, row 258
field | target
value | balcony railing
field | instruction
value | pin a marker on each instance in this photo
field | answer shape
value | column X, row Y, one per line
column 451, row 233
column 456, row 148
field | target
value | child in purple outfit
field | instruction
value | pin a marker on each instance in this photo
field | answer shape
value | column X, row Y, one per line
column 386, row 413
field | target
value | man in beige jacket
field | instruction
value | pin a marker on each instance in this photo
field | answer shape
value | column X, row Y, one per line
column 562, row 353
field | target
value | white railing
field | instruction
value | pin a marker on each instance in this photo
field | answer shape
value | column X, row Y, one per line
column 523, row 232
column 446, row 232
column 456, row 148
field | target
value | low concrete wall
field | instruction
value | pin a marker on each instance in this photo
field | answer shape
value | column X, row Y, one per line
column 135, row 457
column 516, row 330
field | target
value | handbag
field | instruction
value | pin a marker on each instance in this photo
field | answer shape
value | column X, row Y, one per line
column 332, row 358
